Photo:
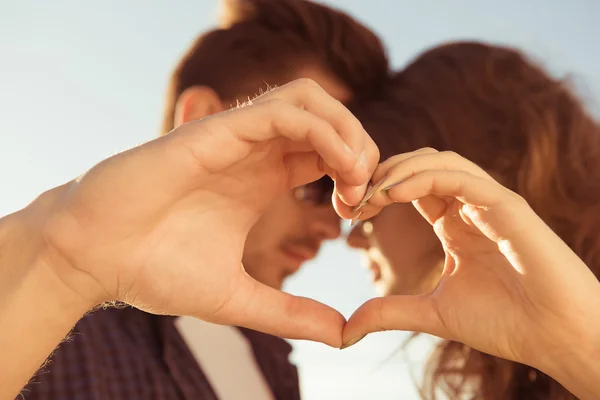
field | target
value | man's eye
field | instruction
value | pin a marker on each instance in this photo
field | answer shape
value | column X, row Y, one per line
column 312, row 194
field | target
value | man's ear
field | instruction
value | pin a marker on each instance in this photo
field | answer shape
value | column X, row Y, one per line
column 195, row 103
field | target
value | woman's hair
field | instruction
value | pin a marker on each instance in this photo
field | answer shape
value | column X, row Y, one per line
column 498, row 109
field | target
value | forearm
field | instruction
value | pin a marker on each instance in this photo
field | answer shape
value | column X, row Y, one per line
column 578, row 368
column 36, row 310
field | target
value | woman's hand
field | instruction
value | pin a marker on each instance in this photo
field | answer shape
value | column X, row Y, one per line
column 510, row 287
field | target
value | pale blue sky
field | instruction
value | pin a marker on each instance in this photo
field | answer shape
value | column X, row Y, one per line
column 80, row 81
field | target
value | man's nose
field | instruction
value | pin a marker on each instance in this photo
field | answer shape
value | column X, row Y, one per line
column 325, row 224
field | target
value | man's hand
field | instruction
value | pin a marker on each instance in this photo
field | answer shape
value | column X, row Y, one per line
column 162, row 226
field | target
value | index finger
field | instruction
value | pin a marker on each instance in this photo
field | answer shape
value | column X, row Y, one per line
column 308, row 95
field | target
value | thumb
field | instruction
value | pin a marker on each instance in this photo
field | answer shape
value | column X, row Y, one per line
column 262, row 308
column 406, row 313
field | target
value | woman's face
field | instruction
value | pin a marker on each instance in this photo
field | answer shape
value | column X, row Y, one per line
column 403, row 252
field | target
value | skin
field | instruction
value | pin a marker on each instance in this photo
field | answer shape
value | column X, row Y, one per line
column 133, row 228
column 508, row 280
column 290, row 231
column 510, row 287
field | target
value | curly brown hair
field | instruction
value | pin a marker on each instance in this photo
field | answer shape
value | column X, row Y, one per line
column 494, row 106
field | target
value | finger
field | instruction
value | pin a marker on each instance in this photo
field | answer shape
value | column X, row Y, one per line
column 405, row 313
column 259, row 307
column 351, row 212
column 238, row 130
column 385, row 166
column 467, row 188
column 485, row 200
column 308, row 95
column 399, row 168
column 381, row 173
column 506, row 214
column 344, row 210
column 431, row 207
column 351, row 195
column 304, row 168
column 413, row 182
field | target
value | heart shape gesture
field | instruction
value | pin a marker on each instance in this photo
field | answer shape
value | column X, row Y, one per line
column 510, row 286
column 163, row 226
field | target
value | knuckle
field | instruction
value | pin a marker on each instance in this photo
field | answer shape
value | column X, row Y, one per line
column 450, row 154
column 518, row 199
column 348, row 125
column 276, row 109
column 276, row 103
column 350, row 120
column 306, row 83
column 395, row 160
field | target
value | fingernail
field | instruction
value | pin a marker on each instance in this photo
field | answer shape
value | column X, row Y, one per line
column 392, row 185
column 372, row 189
column 368, row 190
column 352, row 342
column 357, row 208
column 355, row 219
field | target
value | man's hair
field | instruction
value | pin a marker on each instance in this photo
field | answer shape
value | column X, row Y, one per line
column 261, row 42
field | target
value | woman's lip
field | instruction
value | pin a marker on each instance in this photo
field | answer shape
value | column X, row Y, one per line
column 300, row 253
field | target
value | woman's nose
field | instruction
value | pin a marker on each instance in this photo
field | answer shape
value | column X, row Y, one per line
column 356, row 238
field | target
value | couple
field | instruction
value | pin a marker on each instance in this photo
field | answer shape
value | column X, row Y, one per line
column 497, row 287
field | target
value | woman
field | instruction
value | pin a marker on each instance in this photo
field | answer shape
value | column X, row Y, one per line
column 529, row 132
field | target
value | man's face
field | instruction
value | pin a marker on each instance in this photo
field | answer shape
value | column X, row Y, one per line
column 289, row 233
column 293, row 228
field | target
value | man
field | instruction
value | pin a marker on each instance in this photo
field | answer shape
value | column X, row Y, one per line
column 126, row 353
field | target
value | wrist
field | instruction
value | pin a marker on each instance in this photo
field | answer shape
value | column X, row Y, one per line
column 575, row 363
column 28, row 260
column 37, row 310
